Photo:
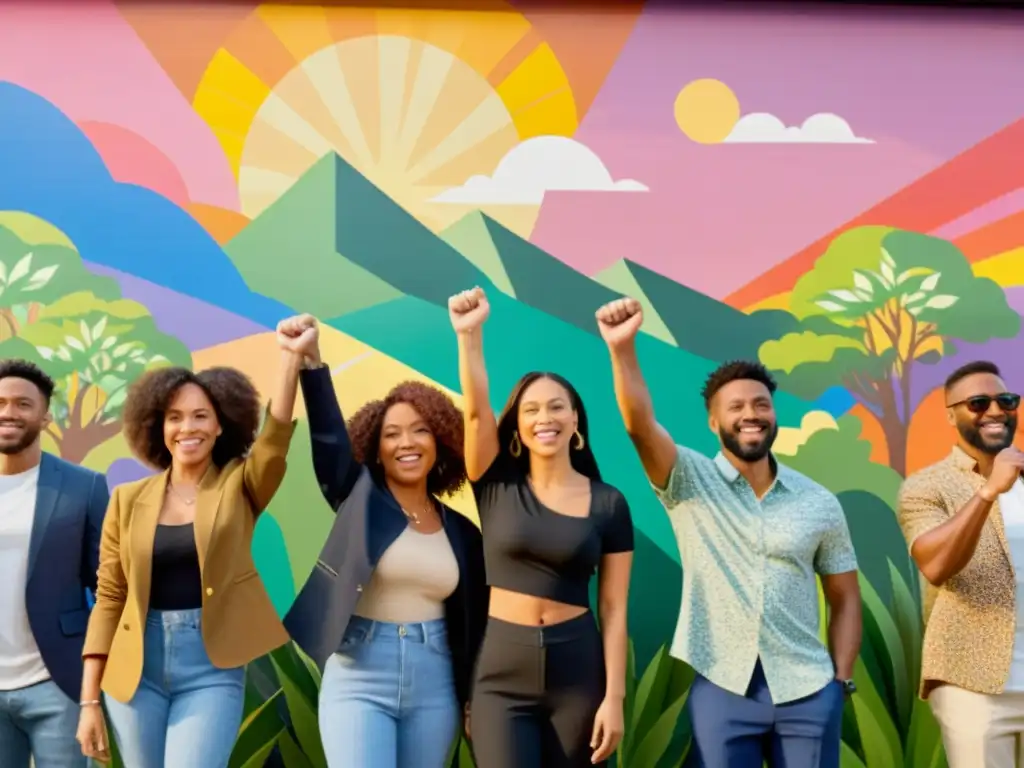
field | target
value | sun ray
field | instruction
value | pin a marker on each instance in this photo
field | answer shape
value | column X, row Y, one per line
column 276, row 113
column 392, row 61
column 431, row 75
column 330, row 82
column 303, row 29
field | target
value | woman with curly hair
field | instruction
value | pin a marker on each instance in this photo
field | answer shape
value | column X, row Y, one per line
column 393, row 612
column 550, row 685
column 180, row 608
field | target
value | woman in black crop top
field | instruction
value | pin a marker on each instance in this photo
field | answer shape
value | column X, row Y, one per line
column 549, row 686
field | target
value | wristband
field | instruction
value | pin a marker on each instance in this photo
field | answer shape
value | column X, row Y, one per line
column 92, row 703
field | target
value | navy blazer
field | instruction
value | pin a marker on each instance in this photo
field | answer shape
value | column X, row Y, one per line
column 367, row 522
column 63, row 556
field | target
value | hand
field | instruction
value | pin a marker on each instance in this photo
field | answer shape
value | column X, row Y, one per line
column 301, row 335
column 608, row 729
column 92, row 733
column 619, row 321
column 468, row 310
column 1007, row 467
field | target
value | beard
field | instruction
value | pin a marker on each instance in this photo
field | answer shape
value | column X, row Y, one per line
column 29, row 434
column 749, row 453
column 972, row 434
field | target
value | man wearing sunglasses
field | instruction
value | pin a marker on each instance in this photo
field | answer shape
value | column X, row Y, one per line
column 964, row 521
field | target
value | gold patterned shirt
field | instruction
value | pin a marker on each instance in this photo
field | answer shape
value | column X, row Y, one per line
column 749, row 566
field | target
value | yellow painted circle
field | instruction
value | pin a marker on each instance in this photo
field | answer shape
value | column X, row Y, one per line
column 707, row 110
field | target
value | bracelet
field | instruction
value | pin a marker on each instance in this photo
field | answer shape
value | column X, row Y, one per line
column 93, row 703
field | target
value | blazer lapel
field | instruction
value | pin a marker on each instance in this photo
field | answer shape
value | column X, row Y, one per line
column 207, row 506
column 142, row 531
column 47, row 494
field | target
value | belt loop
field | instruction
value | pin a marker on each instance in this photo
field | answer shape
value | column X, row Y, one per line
column 372, row 630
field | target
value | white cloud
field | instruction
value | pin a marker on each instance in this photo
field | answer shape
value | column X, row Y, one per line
column 791, row 439
column 822, row 128
column 535, row 166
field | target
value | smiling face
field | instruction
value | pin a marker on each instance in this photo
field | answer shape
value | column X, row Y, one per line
column 190, row 426
column 23, row 414
column 977, row 415
column 546, row 419
column 743, row 415
column 408, row 450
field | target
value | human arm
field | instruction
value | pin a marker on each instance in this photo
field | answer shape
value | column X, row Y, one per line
column 942, row 544
column 836, row 563
column 468, row 311
column 96, row 510
column 612, row 602
column 619, row 321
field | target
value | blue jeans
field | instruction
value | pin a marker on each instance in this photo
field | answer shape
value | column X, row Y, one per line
column 388, row 697
column 731, row 731
column 40, row 722
column 186, row 712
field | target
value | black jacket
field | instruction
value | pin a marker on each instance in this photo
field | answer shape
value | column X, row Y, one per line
column 367, row 522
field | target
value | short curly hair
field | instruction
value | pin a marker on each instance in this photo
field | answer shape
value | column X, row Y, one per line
column 235, row 401
column 23, row 369
column 444, row 419
column 736, row 370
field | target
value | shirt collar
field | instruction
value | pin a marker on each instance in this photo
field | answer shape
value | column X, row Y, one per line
column 962, row 460
column 731, row 474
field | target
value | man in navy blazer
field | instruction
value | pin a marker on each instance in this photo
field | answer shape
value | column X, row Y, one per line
column 51, row 514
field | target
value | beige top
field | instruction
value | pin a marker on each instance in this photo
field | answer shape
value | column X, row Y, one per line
column 413, row 578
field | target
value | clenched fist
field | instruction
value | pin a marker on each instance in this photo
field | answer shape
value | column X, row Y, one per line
column 468, row 310
column 1006, row 470
column 619, row 321
column 299, row 334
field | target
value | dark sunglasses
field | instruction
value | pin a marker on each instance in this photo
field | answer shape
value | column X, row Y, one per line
column 981, row 403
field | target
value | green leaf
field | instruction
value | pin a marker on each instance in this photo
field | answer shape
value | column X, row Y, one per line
column 291, row 755
column 896, row 670
column 257, row 735
column 924, row 740
column 303, row 710
column 465, row 755
column 650, row 694
column 656, row 740
column 630, row 702
column 879, row 737
column 848, row 758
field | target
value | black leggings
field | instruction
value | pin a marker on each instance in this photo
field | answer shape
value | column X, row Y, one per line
column 536, row 693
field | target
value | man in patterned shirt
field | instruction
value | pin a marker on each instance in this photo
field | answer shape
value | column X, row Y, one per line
column 963, row 519
column 752, row 535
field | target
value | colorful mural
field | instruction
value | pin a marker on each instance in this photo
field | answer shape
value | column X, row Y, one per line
column 838, row 193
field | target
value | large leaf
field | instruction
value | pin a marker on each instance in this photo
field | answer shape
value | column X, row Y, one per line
column 630, row 703
column 656, row 740
column 291, row 755
column 879, row 737
column 257, row 735
column 301, row 709
column 650, row 694
column 924, row 740
column 895, row 660
column 848, row 758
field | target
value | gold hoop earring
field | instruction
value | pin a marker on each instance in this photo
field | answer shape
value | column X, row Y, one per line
column 516, row 448
column 580, row 442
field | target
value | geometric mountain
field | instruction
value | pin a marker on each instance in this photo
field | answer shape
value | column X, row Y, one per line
column 696, row 322
column 619, row 278
column 528, row 273
column 334, row 243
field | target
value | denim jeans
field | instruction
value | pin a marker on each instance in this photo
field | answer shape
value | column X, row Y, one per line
column 388, row 697
column 40, row 722
column 186, row 712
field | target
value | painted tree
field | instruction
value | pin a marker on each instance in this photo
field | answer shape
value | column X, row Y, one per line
column 95, row 349
column 878, row 304
column 32, row 276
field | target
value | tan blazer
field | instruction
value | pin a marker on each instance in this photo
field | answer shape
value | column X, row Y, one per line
column 239, row 622
column 968, row 640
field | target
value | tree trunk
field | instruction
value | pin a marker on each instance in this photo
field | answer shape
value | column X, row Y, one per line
column 78, row 441
column 894, row 428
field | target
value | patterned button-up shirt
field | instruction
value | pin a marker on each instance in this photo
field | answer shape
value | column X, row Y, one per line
column 749, row 586
column 972, row 617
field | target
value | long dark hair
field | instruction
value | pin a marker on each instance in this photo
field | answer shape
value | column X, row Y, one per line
column 583, row 460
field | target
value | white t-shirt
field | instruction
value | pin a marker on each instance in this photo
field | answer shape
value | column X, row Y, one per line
column 1011, row 504
column 21, row 664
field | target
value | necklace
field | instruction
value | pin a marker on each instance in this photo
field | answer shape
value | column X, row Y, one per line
column 186, row 502
column 415, row 518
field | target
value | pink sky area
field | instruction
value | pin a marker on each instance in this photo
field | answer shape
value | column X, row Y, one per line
column 85, row 59
column 718, row 216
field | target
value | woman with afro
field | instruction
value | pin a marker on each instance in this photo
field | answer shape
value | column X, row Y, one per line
column 180, row 608
column 394, row 610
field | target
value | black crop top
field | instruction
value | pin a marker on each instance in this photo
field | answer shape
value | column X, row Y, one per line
column 176, row 584
column 533, row 550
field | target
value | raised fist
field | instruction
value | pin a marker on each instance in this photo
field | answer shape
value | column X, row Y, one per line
column 1006, row 470
column 299, row 334
column 468, row 310
column 619, row 321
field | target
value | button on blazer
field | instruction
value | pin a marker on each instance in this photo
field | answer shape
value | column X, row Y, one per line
column 239, row 622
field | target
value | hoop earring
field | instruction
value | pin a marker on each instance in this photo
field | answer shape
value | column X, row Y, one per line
column 580, row 442
column 516, row 447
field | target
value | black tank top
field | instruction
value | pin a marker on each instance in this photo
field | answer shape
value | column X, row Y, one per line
column 176, row 584
column 533, row 550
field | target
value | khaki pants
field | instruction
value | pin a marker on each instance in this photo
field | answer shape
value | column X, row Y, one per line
column 979, row 730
